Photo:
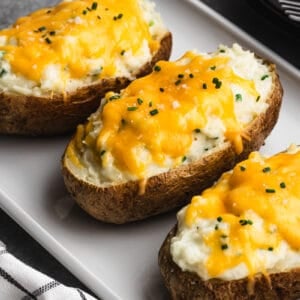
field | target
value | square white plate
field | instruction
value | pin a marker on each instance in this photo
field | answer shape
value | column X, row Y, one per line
column 120, row 262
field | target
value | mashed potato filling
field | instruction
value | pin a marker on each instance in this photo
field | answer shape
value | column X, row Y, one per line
column 247, row 223
column 78, row 42
column 178, row 113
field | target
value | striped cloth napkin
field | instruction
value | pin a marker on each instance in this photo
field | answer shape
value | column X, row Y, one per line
column 20, row 282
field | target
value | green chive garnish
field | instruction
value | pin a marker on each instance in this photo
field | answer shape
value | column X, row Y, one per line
column 157, row 68
column 48, row 41
column 42, row 28
column 222, row 50
column 197, row 130
column 191, row 75
column 162, row 89
column 114, row 97
column 242, row 168
column 140, row 101
column 131, row 108
column 219, row 219
column 94, row 5
column 52, row 33
column 2, row 72
column 177, row 82
column 270, row 249
column 102, row 152
column 264, row 77
column 183, row 159
column 245, row 222
column 224, row 246
column 153, row 112
column 282, row 185
column 238, row 97
column 257, row 99
column 122, row 52
column 204, row 86
column 270, row 191
column 213, row 68
column 266, row 169
column 180, row 75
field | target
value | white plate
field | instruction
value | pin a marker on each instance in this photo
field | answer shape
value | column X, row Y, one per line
column 120, row 262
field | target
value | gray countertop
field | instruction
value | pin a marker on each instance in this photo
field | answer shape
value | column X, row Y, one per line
column 250, row 15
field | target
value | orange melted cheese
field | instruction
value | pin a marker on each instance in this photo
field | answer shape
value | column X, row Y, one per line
column 72, row 32
column 160, row 113
column 269, row 188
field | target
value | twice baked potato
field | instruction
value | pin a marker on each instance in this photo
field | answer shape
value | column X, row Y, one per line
column 239, row 239
column 58, row 62
column 171, row 134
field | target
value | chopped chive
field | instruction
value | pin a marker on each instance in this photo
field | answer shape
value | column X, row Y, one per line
column 151, row 23
column 122, row 52
column 180, row 75
column 150, row 104
column 52, row 33
column 131, row 108
column 114, row 97
column 153, row 112
column 88, row 9
column 183, row 159
column 94, row 5
column 48, row 12
column 219, row 219
column 197, row 130
column 123, row 121
column 266, row 169
column 282, row 185
column 238, row 97
column 118, row 17
column 222, row 50
column 177, row 82
column 191, row 75
column 257, row 99
column 42, row 28
column 264, row 77
column 204, row 86
column 217, row 227
column 270, row 249
column 2, row 72
column 157, row 68
column 217, row 82
column 102, row 152
column 162, row 89
column 224, row 236
column 270, row 191
column 84, row 12
column 213, row 68
column 245, row 222
column 48, row 41
column 139, row 101
column 242, row 168
column 224, row 246
column 98, row 17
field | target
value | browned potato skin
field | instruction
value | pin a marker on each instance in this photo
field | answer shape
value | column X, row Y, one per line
column 123, row 203
column 58, row 114
column 184, row 285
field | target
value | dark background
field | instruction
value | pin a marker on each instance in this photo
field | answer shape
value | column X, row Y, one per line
column 253, row 16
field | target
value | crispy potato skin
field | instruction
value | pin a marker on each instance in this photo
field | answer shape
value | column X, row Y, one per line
column 184, row 285
column 58, row 114
column 123, row 203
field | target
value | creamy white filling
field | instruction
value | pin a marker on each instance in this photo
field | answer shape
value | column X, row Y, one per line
column 204, row 142
column 52, row 79
column 190, row 252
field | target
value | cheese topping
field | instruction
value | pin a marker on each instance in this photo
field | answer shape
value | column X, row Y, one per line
column 172, row 116
column 80, row 39
column 246, row 223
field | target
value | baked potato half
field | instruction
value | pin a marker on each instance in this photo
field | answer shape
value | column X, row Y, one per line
column 239, row 238
column 145, row 156
column 57, row 63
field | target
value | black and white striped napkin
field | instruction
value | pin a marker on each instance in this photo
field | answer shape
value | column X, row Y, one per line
column 18, row 281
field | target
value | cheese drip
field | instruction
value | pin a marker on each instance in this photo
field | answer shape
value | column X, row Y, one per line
column 156, row 117
column 75, row 35
column 264, row 187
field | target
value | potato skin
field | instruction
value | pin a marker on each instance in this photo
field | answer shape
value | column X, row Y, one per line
column 123, row 203
column 58, row 113
column 184, row 285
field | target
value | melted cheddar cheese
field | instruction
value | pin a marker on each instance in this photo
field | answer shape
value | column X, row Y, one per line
column 182, row 110
column 81, row 39
column 246, row 223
